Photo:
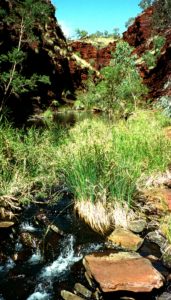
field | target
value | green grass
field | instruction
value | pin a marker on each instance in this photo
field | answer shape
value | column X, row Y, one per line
column 97, row 160
column 101, row 161
column 27, row 159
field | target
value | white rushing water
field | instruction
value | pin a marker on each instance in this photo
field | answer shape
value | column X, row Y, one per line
column 59, row 267
column 36, row 257
column 39, row 294
column 26, row 226
column 64, row 261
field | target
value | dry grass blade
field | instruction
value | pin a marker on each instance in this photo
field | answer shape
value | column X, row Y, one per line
column 96, row 215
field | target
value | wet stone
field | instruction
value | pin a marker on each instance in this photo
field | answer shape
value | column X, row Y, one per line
column 29, row 240
column 56, row 229
column 88, row 279
column 6, row 224
column 80, row 289
column 165, row 296
column 70, row 296
column 42, row 219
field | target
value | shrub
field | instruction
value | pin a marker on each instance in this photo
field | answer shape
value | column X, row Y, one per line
column 165, row 104
column 121, row 88
column 150, row 57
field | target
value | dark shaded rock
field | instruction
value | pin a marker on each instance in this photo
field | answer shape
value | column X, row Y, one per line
column 42, row 219
column 123, row 272
column 29, row 240
column 48, row 55
column 157, row 238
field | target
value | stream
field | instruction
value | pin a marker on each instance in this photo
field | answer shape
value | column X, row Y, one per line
column 37, row 261
column 53, row 262
column 40, row 272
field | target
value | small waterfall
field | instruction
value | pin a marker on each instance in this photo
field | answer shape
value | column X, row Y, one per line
column 56, row 269
column 39, row 294
column 36, row 257
column 10, row 264
column 26, row 226
column 65, row 260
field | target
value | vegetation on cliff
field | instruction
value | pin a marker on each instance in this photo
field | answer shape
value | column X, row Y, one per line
column 162, row 12
column 120, row 89
column 98, row 161
column 24, row 16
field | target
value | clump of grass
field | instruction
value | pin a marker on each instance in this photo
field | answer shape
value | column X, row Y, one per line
column 28, row 161
column 102, row 162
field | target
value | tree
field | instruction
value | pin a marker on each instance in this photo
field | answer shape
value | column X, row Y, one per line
column 121, row 88
column 81, row 33
column 144, row 4
column 129, row 22
column 116, row 33
column 162, row 12
column 24, row 17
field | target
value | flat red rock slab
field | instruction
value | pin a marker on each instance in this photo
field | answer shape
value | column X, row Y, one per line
column 123, row 272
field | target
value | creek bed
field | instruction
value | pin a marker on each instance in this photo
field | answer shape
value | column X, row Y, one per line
column 55, row 262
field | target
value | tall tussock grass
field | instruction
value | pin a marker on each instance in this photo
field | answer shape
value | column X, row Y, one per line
column 102, row 161
column 99, row 161
column 27, row 160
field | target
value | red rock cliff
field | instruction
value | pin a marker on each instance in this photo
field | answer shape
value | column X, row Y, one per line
column 48, row 55
column 139, row 36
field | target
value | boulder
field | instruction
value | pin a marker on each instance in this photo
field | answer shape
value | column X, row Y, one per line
column 29, row 240
column 80, row 289
column 137, row 226
column 70, row 296
column 122, row 271
column 165, row 296
column 125, row 239
column 166, row 256
column 6, row 224
column 157, row 238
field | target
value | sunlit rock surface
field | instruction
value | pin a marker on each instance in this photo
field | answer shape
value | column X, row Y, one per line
column 123, row 272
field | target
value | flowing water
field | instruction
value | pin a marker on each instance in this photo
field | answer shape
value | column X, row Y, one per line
column 53, row 261
column 40, row 272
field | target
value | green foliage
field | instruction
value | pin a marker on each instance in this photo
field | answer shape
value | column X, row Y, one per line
column 96, row 159
column 116, row 33
column 121, row 88
column 129, row 22
column 102, row 161
column 28, row 160
column 144, row 4
column 28, row 13
column 81, row 33
column 25, row 15
column 165, row 104
column 150, row 57
column 162, row 12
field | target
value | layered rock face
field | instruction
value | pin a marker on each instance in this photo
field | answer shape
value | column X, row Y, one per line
column 96, row 56
column 48, row 55
column 139, row 35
